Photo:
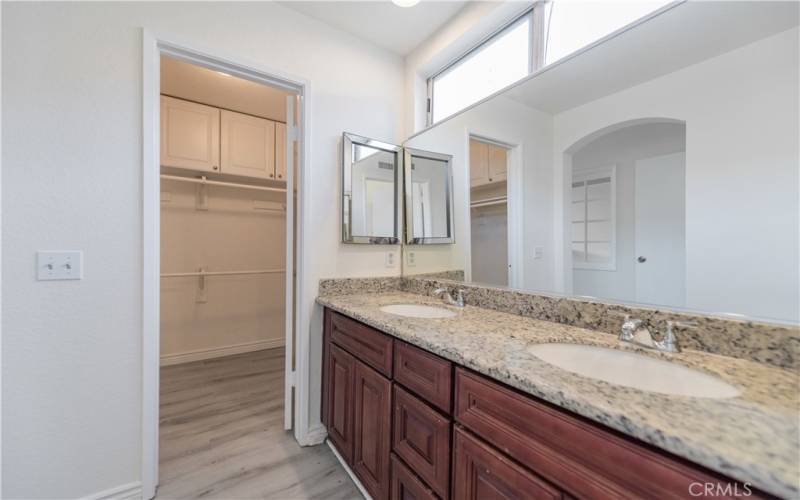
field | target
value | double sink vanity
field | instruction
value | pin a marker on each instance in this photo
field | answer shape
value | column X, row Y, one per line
column 424, row 399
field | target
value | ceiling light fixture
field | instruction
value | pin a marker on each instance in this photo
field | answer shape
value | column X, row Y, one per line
column 405, row 3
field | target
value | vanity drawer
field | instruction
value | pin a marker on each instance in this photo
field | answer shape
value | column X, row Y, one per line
column 407, row 486
column 480, row 472
column 425, row 374
column 569, row 451
column 367, row 344
column 422, row 439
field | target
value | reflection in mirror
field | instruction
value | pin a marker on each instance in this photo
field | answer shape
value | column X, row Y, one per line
column 370, row 191
column 429, row 199
column 649, row 169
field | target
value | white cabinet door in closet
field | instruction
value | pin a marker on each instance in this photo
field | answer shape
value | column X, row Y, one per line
column 497, row 163
column 248, row 145
column 478, row 163
column 280, row 151
column 189, row 135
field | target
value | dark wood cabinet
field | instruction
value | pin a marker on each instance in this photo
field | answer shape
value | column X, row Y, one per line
column 422, row 440
column 341, row 383
column 400, row 441
column 482, row 473
column 425, row 374
column 373, row 429
column 406, row 485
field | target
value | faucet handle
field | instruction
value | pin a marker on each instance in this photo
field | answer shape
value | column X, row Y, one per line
column 460, row 297
column 629, row 327
column 669, row 342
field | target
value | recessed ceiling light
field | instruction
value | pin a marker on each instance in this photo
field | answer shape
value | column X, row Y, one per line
column 405, row 3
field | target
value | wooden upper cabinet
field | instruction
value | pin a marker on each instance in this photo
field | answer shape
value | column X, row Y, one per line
column 247, row 145
column 280, row 151
column 478, row 163
column 487, row 163
column 189, row 135
column 498, row 159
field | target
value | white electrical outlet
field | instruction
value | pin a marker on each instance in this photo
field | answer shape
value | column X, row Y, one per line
column 55, row 265
column 538, row 252
column 390, row 259
column 411, row 258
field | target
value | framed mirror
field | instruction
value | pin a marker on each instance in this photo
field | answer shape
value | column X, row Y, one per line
column 371, row 191
column 429, row 198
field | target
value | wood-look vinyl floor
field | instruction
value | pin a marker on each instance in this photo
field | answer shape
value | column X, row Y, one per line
column 222, row 437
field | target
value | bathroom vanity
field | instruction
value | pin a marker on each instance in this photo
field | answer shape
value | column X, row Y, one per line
column 458, row 407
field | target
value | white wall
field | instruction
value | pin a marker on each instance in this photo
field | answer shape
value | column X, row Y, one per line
column 72, row 170
column 742, row 208
column 530, row 131
column 242, row 311
column 623, row 148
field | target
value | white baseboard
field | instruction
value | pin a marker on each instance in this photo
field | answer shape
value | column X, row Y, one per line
column 315, row 435
column 218, row 352
column 349, row 471
column 130, row 491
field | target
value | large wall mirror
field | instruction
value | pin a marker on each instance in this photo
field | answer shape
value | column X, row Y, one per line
column 371, row 191
column 659, row 166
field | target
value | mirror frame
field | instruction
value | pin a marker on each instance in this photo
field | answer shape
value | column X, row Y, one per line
column 348, row 140
column 409, row 226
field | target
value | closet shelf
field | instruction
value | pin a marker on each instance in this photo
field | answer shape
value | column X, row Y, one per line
column 223, row 273
column 488, row 202
column 203, row 180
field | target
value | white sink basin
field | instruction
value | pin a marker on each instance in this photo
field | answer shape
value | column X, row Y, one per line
column 633, row 370
column 418, row 311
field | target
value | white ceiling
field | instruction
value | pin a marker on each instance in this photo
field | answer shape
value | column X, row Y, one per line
column 395, row 28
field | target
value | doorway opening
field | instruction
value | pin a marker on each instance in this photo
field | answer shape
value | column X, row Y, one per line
column 626, row 213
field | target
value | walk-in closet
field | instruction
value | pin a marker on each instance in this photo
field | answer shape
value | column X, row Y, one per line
column 223, row 294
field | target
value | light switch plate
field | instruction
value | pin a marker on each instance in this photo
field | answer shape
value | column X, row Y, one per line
column 59, row 265
column 538, row 252
column 411, row 258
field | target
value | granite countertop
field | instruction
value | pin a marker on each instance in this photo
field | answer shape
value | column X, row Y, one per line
column 753, row 437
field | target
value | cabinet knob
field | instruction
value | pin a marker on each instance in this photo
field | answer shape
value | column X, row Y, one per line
column 280, row 176
column 270, row 175
column 215, row 167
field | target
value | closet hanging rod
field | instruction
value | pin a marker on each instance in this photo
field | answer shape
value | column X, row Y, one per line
column 223, row 273
column 205, row 181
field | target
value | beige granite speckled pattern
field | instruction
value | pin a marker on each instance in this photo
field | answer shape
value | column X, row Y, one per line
column 775, row 344
column 359, row 285
column 753, row 437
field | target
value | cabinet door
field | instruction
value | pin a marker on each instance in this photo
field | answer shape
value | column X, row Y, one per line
column 341, row 380
column 248, row 145
column 482, row 473
column 478, row 163
column 189, row 135
column 373, row 399
column 280, row 152
column 407, row 486
column 498, row 160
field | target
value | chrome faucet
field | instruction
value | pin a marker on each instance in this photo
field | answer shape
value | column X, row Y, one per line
column 633, row 332
column 458, row 301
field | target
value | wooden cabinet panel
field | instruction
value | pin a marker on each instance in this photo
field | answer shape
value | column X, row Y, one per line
column 425, row 374
column 482, row 473
column 554, row 444
column 326, row 347
column 407, row 486
column 280, row 152
column 189, row 135
column 367, row 344
column 341, row 384
column 498, row 161
column 373, row 424
column 422, row 440
column 478, row 163
column 247, row 145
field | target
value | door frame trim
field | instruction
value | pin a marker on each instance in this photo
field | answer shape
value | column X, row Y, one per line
column 153, row 46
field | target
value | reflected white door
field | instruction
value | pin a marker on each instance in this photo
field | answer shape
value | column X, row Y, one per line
column 660, row 230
